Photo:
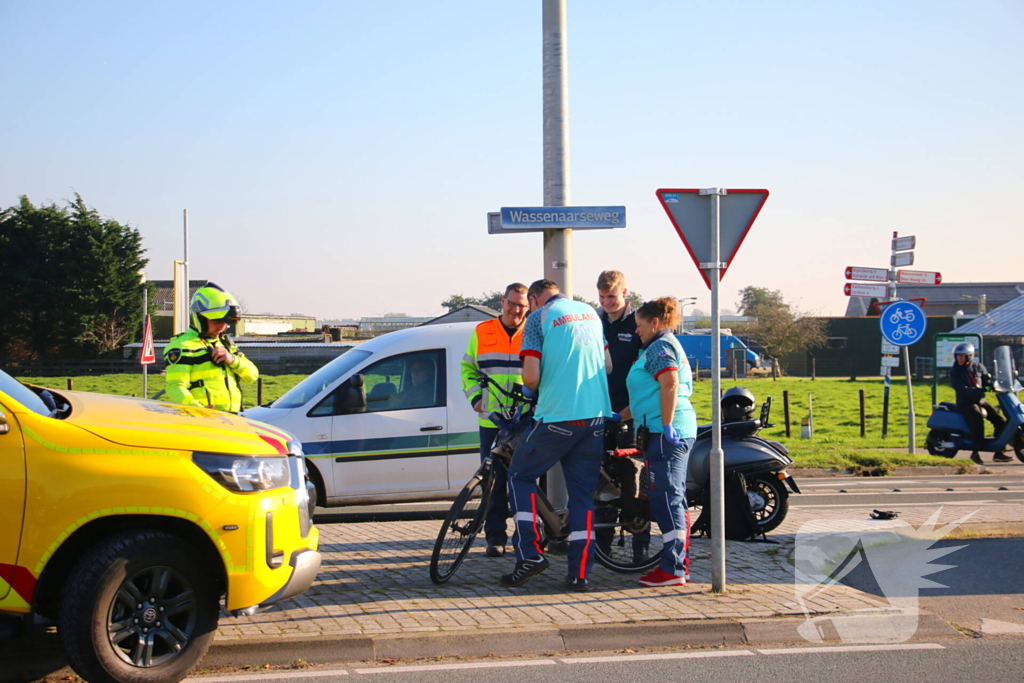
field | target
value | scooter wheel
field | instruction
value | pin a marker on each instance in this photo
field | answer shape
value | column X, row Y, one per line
column 934, row 445
column 1018, row 446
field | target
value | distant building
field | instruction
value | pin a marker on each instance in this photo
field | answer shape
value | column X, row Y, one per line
column 389, row 323
column 469, row 313
column 973, row 298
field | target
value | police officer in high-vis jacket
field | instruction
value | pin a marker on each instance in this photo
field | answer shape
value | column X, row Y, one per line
column 203, row 367
column 493, row 350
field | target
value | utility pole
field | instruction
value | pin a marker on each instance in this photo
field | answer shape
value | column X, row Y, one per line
column 557, row 243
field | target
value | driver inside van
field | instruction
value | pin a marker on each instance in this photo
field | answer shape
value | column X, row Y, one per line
column 419, row 393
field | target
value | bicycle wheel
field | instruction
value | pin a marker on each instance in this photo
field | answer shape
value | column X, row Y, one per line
column 626, row 540
column 463, row 522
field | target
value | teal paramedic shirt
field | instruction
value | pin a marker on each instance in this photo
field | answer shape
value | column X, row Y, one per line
column 661, row 354
column 568, row 339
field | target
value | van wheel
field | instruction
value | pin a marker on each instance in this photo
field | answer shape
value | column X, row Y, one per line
column 318, row 483
column 138, row 608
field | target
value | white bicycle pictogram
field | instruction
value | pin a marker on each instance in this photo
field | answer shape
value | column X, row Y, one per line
column 902, row 331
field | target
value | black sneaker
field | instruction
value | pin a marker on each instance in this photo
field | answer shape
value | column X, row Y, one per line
column 577, row 585
column 524, row 571
column 1002, row 457
column 975, row 457
column 495, row 550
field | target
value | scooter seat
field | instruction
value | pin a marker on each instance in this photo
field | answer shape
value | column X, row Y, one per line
column 738, row 428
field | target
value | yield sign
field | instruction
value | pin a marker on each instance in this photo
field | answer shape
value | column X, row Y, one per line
column 690, row 213
column 148, row 356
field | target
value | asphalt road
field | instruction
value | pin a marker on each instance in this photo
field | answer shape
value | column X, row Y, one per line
column 890, row 492
column 987, row 660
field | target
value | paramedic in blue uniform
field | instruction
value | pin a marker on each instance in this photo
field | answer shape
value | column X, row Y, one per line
column 660, row 384
column 565, row 362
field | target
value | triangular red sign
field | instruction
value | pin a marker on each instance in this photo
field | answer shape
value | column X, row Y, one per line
column 690, row 213
column 148, row 356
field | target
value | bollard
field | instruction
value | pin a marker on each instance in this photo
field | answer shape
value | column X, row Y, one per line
column 785, row 409
column 259, row 391
column 814, row 368
column 71, row 383
column 863, row 421
column 807, row 423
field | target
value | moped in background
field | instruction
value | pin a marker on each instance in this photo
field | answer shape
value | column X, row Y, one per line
column 948, row 431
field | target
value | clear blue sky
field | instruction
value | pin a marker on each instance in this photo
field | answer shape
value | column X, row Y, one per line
column 339, row 158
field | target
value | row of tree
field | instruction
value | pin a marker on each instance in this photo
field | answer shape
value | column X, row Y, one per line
column 69, row 280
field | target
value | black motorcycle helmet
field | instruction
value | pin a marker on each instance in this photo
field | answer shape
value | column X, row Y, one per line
column 737, row 404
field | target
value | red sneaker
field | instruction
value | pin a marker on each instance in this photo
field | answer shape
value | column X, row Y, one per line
column 662, row 578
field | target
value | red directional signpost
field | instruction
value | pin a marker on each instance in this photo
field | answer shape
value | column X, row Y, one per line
column 858, row 289
column 712, row 222
column 870, row 274
column 918, row 277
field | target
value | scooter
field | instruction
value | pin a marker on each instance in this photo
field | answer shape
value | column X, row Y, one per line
column 948, row 429
column 762, row 462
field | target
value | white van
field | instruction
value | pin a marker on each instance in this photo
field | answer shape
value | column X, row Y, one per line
column 418, row 437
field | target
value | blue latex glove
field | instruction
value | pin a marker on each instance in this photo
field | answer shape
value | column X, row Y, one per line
column 672, row 436
column 499, row 421
column 614, row 418
column 529, row 393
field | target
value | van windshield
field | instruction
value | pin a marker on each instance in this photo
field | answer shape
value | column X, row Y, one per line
column 312, row 386
column 22, row 394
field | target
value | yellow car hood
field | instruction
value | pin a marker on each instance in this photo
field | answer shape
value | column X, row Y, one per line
column 142, row 423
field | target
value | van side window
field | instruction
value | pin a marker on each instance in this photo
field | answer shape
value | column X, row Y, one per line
column 410, row 380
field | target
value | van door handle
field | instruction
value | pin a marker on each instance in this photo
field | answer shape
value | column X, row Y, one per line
column 435, row 428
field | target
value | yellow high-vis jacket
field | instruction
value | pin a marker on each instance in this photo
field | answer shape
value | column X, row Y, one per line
column 492, row 352
column 193, row 379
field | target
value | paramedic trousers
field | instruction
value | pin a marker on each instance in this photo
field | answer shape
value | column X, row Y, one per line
column 667, row 494
column 579, row 446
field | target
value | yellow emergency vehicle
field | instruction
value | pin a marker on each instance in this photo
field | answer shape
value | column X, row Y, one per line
column 127, row 520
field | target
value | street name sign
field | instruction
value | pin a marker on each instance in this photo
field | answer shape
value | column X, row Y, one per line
column 918, row 277
column 903, row 323
column 858, row 289
column 690, row 213
column 904, row 243
column 905, row 258
column 533, row 218
column 870, row 274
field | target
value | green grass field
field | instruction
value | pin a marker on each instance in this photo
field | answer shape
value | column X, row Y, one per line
column 836, row 442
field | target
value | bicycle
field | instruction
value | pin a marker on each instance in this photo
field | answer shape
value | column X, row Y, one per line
column 626, row 539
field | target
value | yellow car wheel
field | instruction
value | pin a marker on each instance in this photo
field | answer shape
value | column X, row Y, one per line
column 137, row 608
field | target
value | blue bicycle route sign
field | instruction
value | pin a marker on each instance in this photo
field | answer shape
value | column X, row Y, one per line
column 903, row 323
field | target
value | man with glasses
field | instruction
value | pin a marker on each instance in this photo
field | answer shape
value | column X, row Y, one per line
column 494, row 351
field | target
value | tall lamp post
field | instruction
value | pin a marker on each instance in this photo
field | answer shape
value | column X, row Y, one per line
column 683, row 303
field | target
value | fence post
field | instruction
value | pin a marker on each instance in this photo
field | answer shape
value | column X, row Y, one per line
column 785, row 406
column 71, row 383
column 775, row 369
column 259, row 391
column 814, row 368
column 863, row 426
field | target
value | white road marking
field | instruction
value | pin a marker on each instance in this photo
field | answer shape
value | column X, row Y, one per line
column 271, row 676
column 851, row 648
column 462, row 665
column 993, row 627
column 667, row 655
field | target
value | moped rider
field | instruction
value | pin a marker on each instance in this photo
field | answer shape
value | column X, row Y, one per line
column 969, row 379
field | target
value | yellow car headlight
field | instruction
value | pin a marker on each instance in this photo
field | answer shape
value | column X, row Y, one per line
column 244, row 474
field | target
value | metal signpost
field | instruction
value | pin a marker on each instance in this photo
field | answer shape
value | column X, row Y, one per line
column 903, row 323
column 712, row 222
column 900, row 256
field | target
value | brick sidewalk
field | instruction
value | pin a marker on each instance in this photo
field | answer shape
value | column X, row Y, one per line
column 374, row 581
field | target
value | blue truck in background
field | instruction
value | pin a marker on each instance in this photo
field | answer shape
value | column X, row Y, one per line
column 698, row 350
